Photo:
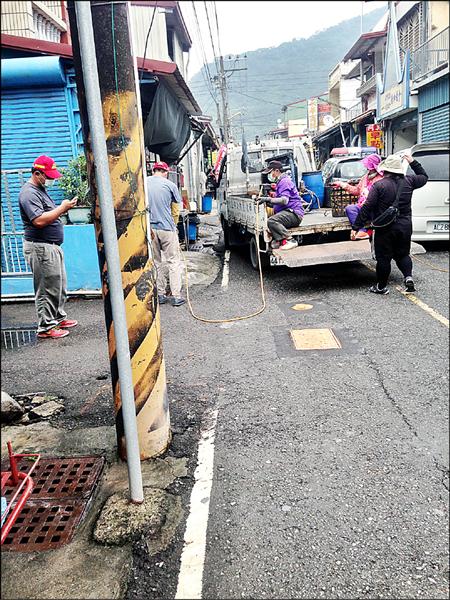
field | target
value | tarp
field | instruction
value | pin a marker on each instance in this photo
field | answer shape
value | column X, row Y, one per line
column 167, row 128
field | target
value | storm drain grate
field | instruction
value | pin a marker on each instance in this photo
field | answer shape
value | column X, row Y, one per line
column 61, row 493
column 62, row 478
column 43, row 525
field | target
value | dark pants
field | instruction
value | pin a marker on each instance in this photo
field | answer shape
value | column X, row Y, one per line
column 393, row 242
column 280, row 223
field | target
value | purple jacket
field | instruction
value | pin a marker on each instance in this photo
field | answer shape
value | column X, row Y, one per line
column 286, row 187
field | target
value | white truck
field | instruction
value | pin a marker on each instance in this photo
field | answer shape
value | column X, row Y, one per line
column 322, row 238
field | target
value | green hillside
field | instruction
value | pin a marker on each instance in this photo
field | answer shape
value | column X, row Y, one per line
column 278, row 76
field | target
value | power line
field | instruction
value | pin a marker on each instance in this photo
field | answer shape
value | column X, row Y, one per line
column 146, row 40
column 217, row 28
column 211, row 35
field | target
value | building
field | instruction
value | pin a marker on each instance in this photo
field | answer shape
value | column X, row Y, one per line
column 366, row 57
column 40, row 115
column 412, row 92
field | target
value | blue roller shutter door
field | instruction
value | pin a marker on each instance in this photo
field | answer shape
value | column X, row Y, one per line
column 435, row 124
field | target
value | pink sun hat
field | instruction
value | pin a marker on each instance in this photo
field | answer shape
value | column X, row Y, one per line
column 372, row 162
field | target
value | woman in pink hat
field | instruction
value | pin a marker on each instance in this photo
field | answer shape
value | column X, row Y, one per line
column 362, row 189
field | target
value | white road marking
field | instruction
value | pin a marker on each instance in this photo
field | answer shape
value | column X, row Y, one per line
column 226, row 269
column 190, row 578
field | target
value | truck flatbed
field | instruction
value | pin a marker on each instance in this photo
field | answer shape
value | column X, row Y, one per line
column 336, row 252
column 321, row 220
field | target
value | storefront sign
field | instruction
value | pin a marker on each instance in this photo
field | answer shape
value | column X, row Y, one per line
column 313, row 116
column 393, row 87
column 392, row 99
column 374, row 136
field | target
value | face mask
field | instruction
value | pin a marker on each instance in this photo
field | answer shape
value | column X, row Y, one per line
column 271, row 178
column 49, row 182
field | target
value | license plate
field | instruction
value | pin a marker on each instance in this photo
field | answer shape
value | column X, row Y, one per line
column 441, row 226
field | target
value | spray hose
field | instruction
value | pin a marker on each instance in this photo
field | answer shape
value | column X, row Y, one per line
column 261, row 281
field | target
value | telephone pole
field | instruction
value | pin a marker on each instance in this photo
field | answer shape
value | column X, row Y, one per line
column 221, row 81
column 120, row 126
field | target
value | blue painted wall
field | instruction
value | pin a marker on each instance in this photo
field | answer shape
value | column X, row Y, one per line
column 80, row 251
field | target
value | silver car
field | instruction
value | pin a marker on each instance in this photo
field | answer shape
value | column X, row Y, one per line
column 430, row 204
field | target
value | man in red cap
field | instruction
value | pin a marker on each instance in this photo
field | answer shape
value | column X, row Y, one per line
column 44, row 234
column 165, row 202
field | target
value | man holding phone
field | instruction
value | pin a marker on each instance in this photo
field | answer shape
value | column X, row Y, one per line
column 44, row 234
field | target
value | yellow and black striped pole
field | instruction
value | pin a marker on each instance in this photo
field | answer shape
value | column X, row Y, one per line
column 123, row 133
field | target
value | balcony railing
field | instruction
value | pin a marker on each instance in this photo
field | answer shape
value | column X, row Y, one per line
column 430, row 57
column 353, row 112
column 366, row 87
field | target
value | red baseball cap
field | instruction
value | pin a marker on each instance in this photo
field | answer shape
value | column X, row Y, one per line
column 47, row 166
column 161, row 166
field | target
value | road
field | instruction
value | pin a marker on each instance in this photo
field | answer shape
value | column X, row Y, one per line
column 328, row 476
column 330, row 467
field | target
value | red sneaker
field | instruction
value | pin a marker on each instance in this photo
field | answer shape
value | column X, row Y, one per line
column 68, row 323
column 54, row 333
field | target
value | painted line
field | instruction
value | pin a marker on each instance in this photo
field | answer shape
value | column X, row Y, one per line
column 190, row 578
column 226, row 269
column 433, row 313
column 423, row 306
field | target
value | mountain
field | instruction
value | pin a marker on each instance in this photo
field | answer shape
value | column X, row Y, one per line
column 278, row 76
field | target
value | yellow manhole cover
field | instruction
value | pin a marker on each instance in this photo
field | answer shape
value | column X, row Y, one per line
column 315, row 339
column 302, row 306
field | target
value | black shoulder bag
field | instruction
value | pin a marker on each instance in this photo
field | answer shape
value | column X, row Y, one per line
column 390, row 215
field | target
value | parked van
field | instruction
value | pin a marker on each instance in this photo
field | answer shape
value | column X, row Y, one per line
column 431, row 204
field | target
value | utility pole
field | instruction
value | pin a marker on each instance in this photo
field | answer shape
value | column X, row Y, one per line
column 221, row 81
column 225, row 112
column 120, row 125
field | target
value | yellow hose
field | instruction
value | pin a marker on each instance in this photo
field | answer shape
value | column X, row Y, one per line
column 263, row 296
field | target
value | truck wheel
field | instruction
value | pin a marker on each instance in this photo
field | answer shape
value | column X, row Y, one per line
column 226, row 234
column 253, row 253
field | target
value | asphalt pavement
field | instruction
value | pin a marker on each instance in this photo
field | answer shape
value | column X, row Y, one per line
column 331, row 467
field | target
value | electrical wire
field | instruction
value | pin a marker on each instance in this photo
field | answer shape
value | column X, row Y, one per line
column 206, row 77
column 216, row 60
column 146, row 41
column 217, row 28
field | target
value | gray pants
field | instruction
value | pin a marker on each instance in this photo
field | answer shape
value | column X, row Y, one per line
column 50, row 282
column 170, row 263
column 280, row 224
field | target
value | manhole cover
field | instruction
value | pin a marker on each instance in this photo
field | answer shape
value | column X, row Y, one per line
column 315, row 339
column 61, row 493
column 302, row 306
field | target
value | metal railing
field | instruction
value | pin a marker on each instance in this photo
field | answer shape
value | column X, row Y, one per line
column 367, row 86
column 353, row 112
column 430, row 57
column 12, row 258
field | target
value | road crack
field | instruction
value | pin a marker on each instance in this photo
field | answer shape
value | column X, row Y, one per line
column 441, row 468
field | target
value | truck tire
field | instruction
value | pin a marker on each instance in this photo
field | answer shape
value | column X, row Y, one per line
column 253, row 254
column 226, row 234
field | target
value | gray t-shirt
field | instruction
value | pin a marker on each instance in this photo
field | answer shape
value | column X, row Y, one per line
column 161, row 194
column 33, row 202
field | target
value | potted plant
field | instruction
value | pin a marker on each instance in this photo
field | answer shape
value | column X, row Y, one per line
column 74, row 182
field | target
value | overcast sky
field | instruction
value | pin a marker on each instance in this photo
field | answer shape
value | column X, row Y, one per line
column 245, row 26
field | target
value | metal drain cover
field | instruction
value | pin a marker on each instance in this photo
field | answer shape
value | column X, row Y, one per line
column 315, row 339
column 62, row 490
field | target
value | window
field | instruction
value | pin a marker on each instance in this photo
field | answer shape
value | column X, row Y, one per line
column 255, row 163
column 434, row 163
column 351, row 169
